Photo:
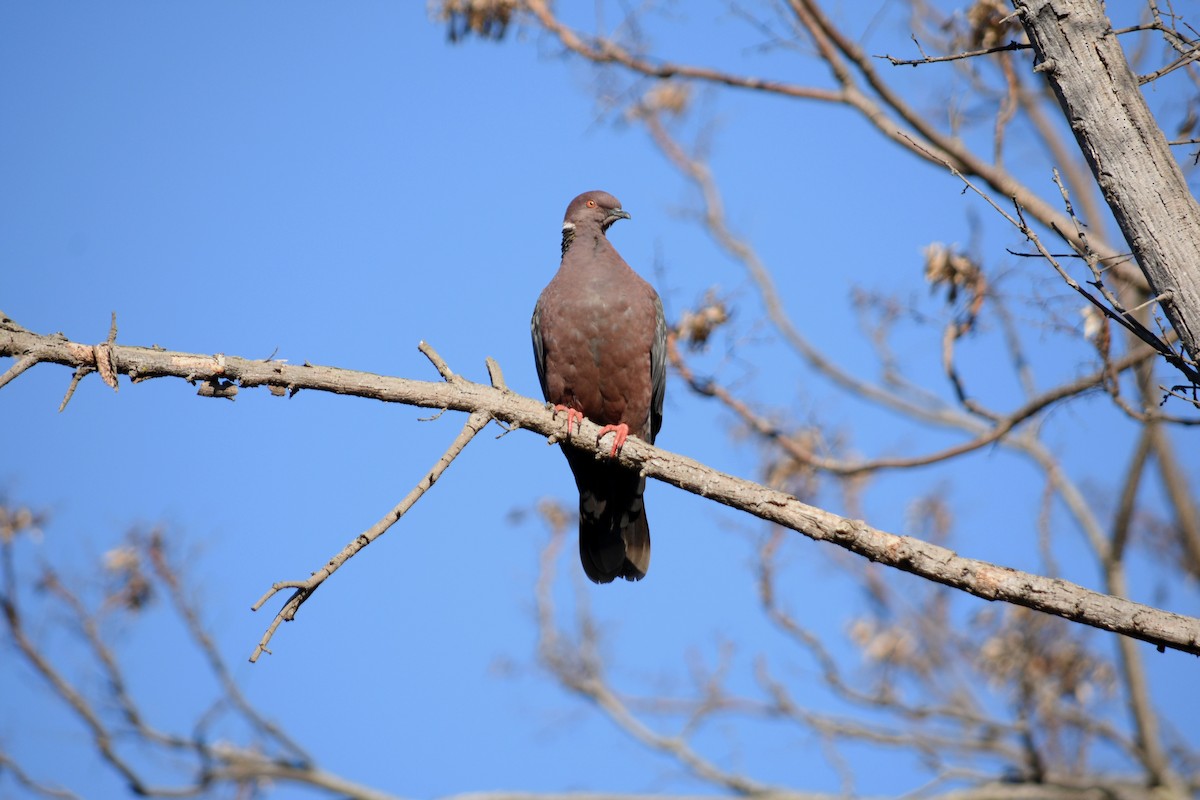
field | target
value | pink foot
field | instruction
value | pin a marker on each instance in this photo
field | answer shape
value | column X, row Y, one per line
column 621, row 433
column 573, row 415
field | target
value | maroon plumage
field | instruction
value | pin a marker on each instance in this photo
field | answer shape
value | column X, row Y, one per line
column 599, row 339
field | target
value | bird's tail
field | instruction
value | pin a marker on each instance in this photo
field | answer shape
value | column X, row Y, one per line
column 614, row 536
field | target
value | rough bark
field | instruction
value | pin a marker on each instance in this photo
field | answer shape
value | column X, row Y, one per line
column 1130, row 159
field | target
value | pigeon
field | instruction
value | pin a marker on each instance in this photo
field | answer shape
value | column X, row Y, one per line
column 599, row 341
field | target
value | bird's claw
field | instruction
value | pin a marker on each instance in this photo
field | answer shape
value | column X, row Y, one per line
column 620, row 434
column 573, row 415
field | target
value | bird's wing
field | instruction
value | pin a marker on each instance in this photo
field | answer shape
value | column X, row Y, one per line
column 539, row 352
column 658, row 369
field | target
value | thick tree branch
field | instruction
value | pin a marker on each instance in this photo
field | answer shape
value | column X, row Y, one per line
column 982, row 579
column 1080, row 56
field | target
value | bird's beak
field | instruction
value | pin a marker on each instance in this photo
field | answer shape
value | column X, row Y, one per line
column 616, row 214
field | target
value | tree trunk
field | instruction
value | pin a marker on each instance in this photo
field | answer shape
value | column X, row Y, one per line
column 1131, row 160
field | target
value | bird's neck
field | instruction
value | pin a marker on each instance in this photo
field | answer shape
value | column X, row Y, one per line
column 568, row 237
column 574, row 237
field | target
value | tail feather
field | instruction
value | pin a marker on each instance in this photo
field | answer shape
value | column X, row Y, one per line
column 614, row 535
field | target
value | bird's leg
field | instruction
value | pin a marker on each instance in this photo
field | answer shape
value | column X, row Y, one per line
column 572, row 415
column 620, row 434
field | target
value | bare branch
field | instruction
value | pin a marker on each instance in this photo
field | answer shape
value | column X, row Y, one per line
column 7, row 765
column 606, row 51
column 913, row 130
column 169, row 577
column 1129, row 156
column 476, row 422
column 861, row 89
column 1124, row 318
column 989, row 581
column 1187, row 58
column 916, row 62
column 205, row 764
column 1181, row 496
column 578, row 670
column 102, row 738
column 1003, row 424
column 16, row 369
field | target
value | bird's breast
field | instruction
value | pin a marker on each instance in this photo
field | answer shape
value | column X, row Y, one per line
column 597, row 351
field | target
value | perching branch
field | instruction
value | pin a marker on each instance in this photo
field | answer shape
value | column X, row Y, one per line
column 939, row 564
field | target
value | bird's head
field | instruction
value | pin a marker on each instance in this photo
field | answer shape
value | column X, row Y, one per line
column 593, row 208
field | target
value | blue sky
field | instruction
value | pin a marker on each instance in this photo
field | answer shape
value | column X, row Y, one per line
column 334, row 184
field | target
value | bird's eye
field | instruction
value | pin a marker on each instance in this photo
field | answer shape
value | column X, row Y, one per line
column 591, row 203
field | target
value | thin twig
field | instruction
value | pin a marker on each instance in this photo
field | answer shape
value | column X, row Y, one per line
column 438, row 362
column 1003, row 424
column 304, row 589
column 76, row 377
column 1182, row 61
column 16, row 369
column 10, row 767
column 1126, row 320
column 916, row 62
column 79, row 705
column 113, row 674
column 495, row 374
